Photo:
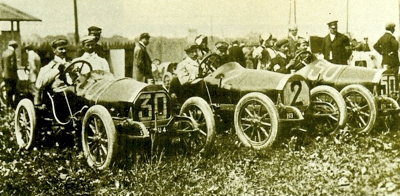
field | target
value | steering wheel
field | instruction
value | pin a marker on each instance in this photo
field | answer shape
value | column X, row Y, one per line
column 301, row 58
column 73, row 70
column 209, row 64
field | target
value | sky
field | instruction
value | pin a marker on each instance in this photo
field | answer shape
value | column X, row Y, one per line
column 222, row 18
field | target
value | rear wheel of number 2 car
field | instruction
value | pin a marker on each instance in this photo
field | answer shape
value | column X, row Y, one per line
column 329, row 116
column 361, row 108
column 202, row 138
column 25, row 124
column 256, row 121
column 99, row 137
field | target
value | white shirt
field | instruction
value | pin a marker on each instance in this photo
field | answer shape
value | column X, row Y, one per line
column 95, row 61
column 48, row 73
column 187, row 70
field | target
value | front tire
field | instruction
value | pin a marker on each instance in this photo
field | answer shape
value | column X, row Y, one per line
column 330, row 119
column 256, row 121
column 361, row 108
column 25, row 124
column 99, row 137
column 199, row 110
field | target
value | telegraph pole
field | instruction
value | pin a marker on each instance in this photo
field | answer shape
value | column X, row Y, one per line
column 76, row 23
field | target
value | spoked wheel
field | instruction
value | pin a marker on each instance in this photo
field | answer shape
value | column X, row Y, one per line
column 25, row 124
column 361, row 108
column 200, row 138
column 328, row 109
column 99, row 138
column 209, row 64
column 256, row 121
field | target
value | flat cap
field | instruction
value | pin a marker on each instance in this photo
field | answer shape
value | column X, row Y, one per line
column 144, row 35
column 332, row 23
column 94, row 28
column 221, row 45
column 199, row 39
column 191, row 48
column 281, row 42
column 88, row 38
column 13, row 43
column 59, row 42
column 390, row 25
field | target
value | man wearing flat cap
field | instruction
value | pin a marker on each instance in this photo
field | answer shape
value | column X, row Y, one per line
column 222, row 48
column 9, row 72
column 388, row 47
column 336, row 46
column 98, row 49
column 141, row 59
column 50, row 72
column 293, row 39
column 236, row 52
column 97, row 62
column 185, row 84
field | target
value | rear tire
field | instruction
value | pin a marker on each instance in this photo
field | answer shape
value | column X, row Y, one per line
column 361, row 108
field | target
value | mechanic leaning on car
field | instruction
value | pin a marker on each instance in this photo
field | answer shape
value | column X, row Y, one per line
column 48, row 74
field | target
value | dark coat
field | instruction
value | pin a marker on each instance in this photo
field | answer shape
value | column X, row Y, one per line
column 9, row 65
column 237, row 55
column 339, row 47
column 388, row 47
column 141, row 63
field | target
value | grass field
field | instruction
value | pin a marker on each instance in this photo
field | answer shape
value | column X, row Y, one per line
column 345, row 164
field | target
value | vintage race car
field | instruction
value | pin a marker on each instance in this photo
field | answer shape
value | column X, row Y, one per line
column 365, row 59
column 368, row 93
column 261, row 102
column 107, row 110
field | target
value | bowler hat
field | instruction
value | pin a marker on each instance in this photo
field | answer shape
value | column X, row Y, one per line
column 390, row 25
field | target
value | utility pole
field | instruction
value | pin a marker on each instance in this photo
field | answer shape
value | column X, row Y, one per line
column 76, row 23
column 347, row 17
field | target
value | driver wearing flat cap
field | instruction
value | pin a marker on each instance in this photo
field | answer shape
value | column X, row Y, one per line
column 98, row 49
column 97, row 62
column 50, row 72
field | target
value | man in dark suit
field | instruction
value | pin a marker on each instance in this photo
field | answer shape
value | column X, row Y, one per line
column 388, row 47
column 141, row 60
column 9, row 71
column 336, row 46
column 236, row 53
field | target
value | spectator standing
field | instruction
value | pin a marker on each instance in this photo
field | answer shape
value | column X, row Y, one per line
column 222, row 48
column 335, row 46
column 293, row 39
column 9, row 72
column 141, row 59
column 202, row 44
column 33, row 68
column 388, row 47
column 365, row 45
column 236, row 53
column 261, row 54
column 90, row 55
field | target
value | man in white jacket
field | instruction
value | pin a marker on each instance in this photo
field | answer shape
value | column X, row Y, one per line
column 97, row 62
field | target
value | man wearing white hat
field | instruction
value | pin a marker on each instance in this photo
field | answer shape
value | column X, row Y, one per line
column 388, row 47
column 9, row 71
column 97, row 62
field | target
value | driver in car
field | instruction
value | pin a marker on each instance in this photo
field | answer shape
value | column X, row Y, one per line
column 187, row 72
column 49, row 73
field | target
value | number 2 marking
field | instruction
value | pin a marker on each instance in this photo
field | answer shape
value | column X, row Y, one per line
column 297, row 91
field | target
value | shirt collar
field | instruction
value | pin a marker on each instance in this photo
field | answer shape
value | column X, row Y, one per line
column 141, row 43
column 387, row 31
column 57, row 59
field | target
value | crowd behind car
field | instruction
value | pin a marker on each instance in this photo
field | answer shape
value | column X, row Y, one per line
column 270, row 54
